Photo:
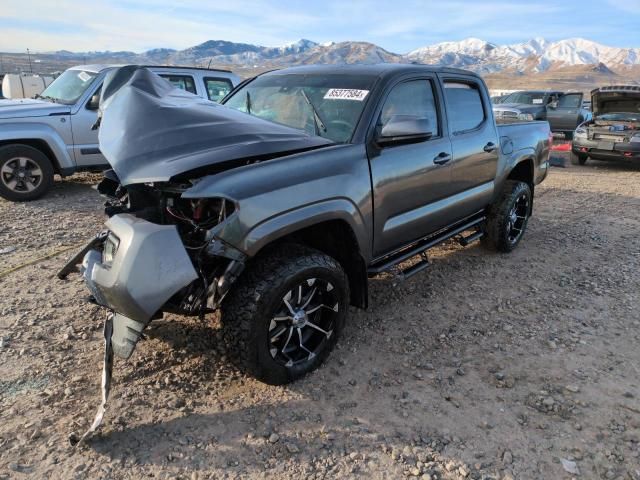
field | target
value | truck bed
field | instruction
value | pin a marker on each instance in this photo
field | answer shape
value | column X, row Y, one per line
column 527, row 139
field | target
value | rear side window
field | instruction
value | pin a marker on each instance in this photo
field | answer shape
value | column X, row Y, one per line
column 217, row 88
column 464, row 106
column 412, row 98
column 183, row 82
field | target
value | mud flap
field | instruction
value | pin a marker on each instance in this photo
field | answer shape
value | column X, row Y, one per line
column 107, row 370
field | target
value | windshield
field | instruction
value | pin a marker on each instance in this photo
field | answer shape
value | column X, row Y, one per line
column 528, row 98
column 325, row 105
column 69, row 86
column 620, row 117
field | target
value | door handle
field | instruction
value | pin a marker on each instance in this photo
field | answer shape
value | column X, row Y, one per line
column 442, row 158
column 490, row 147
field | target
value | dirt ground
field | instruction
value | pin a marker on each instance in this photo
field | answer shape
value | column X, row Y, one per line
column 485, row 366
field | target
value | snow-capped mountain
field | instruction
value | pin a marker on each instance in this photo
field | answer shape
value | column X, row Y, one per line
column 536, row 54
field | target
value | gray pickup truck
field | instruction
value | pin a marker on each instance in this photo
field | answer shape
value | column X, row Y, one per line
column 563, row 111
column 54, row 132
column 277, row 207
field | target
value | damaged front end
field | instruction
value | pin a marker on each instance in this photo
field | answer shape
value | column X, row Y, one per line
column 159, row 254
column 162, row 251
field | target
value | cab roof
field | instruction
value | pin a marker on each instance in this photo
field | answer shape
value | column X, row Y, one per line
column 374, row 70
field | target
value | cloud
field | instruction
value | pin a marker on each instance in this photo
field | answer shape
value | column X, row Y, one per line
column 139, row 25
column 629, row 6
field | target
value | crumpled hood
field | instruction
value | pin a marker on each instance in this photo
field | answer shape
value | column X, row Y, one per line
column 615, row 99
column 151, row 131
column 28, row 107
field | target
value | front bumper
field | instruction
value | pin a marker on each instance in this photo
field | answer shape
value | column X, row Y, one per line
column 606, row 151
column 149, row 266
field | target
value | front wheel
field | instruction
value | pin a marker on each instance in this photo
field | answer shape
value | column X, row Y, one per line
column 286, row 313
column 508, row 216
column 25, row 173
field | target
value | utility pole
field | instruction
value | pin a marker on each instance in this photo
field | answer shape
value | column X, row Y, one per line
column 30, row 66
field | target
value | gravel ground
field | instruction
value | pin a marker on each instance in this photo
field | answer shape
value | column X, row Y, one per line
column 485, row 366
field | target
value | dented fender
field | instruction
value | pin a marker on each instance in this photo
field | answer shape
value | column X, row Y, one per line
column 280, row 196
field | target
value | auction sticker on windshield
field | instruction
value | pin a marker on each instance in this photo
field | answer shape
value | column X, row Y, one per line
column 84, row 76
column 346, row 94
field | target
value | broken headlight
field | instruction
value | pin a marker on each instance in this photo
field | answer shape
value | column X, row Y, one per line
column 110, row 248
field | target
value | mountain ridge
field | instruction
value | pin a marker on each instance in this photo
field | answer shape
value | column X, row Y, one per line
column 532, row 56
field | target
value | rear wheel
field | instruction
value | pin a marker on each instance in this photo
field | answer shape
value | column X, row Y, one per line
column 508, row 217
column 25, row 173
column 286, row 314
column 578, row 159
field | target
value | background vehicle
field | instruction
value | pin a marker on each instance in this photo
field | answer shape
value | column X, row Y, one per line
column 22, row 85
column 55, row 132
column 563, row 111
column 359, row 169
column 614, row 131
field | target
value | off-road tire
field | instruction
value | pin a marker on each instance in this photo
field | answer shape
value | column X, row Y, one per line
column 250, row 305
column 35, row 157
column 497, row 226
column 577, row 159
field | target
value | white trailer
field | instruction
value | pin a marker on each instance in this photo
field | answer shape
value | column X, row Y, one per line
column 24, row 85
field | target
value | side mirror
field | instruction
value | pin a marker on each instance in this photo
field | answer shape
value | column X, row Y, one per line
column 553, row 104
column 404, row 129
column 94, row 102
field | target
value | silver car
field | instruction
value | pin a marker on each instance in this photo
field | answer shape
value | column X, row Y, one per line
column 55, row 133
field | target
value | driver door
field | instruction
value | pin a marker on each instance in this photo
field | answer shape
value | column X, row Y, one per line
column 565, row 117
column 412, row 181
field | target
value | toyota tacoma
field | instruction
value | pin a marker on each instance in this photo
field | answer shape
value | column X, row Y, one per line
column 277, row 207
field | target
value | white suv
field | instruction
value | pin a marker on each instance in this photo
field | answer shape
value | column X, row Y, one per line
column 54, row 132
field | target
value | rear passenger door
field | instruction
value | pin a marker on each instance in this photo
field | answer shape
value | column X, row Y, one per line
column 474, row 141
column 412, row 181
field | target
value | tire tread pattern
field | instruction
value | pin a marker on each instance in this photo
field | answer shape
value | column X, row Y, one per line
column 241, row 309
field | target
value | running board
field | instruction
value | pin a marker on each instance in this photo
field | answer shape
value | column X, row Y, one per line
column 387, row 263
column 417, row 267
column 465, row 241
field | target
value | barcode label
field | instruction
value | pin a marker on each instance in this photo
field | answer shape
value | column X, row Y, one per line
column 346, row 94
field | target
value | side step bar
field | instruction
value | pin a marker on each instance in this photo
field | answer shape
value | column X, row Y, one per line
column 422, row 246
column 465, row 241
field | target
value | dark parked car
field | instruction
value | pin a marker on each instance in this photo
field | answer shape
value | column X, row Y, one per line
column 614, row 131
column 563, row 111
column 277, row 207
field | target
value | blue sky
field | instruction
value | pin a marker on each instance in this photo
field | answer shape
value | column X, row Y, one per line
column 400, row 26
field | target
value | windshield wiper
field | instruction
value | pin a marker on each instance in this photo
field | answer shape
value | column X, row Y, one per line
column 317, row 120
column 248, row 102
